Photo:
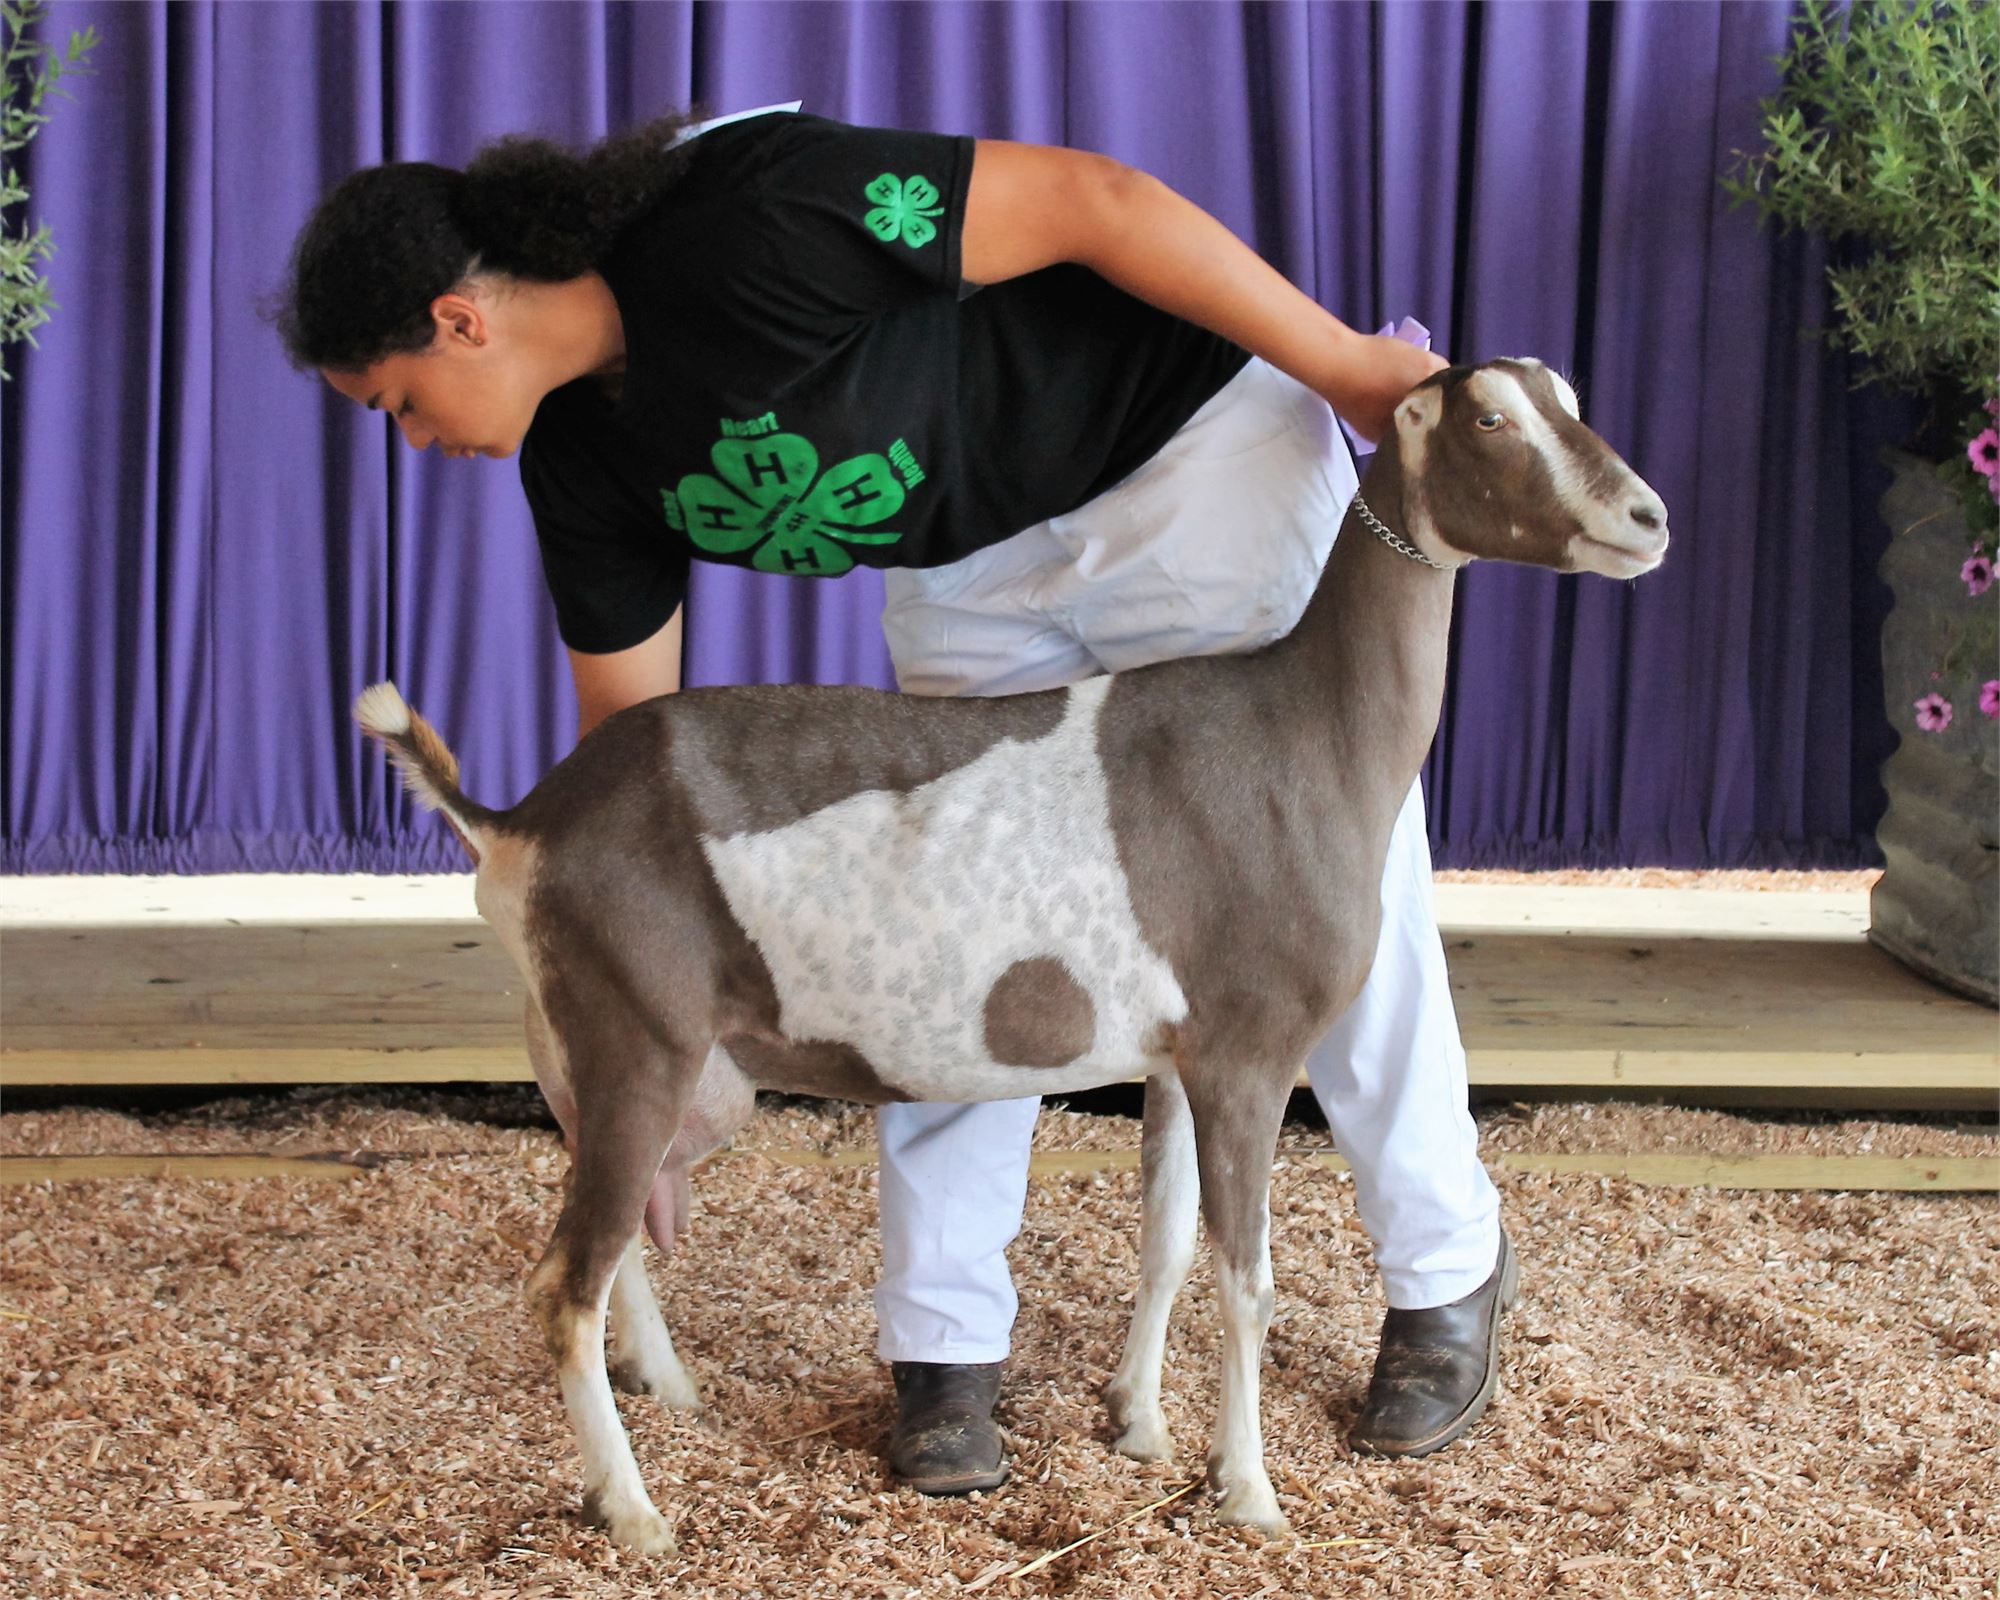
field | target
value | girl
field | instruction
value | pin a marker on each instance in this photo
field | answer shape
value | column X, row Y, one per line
column 1081, row 426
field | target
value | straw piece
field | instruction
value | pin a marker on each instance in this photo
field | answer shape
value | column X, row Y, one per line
column 825, row 1427
column 1077, row 1544
column 376, row 1505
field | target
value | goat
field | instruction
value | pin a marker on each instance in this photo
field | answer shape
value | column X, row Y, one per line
column 1171, row 873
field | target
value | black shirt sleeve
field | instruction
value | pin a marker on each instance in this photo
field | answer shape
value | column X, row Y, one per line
column 613, row 573
column 857, row 221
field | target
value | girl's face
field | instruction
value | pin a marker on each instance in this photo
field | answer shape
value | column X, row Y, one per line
column 471, row 392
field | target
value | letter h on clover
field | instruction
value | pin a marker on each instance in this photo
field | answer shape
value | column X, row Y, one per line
column 769, row 495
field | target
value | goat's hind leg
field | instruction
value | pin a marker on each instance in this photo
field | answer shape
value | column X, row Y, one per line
column 1166, row 1251
column 618, row 1150
column 645, row 1361
column 646, row 1364
column 1236, row 1137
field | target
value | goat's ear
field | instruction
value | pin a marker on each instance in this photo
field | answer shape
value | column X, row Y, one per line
column 1566, row 395
column 1420, row 411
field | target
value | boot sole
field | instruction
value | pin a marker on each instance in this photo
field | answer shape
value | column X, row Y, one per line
column 960, row 1483
column 1510, row 1289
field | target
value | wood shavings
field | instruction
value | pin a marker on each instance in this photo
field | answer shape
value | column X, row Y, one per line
column 219, row 1388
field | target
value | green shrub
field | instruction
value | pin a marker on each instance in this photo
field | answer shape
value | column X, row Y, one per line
column 1886, row 136
column 33, row 72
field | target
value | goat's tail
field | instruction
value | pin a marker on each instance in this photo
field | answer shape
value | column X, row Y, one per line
column 429, row 768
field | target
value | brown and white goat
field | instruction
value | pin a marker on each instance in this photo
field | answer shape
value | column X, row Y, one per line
column 1171, row 873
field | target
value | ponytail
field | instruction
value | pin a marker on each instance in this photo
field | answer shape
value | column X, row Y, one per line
column 390, row 239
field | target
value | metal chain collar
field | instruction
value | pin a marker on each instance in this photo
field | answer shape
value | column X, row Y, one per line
column 1401, row 546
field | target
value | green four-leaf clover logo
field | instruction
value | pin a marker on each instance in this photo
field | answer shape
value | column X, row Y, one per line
column 769, row 494
column 904, row 206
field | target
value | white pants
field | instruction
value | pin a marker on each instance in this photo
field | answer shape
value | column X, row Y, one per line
column 1213, row 546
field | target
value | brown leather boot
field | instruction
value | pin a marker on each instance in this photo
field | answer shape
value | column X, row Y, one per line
column 946, row 1441
column 1436, row 1368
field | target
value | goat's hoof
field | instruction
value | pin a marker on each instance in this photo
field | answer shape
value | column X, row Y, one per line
column 639, row 1527
column 672, row 1387
column 648, row 1534
column 1118, row 1402
column 1252, row 1505
column 1146, row 1438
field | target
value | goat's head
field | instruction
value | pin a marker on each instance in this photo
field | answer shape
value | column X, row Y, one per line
column 1497, row 465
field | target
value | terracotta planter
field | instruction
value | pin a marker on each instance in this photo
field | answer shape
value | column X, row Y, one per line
column 1937, row 906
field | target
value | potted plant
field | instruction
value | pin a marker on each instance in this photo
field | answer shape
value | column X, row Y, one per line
column 1885, row 137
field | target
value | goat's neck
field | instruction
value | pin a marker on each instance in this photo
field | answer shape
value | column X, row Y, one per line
column 1372, row 644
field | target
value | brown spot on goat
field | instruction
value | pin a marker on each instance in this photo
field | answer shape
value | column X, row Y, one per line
column 1037, row 1015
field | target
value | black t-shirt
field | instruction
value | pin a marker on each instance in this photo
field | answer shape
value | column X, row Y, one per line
column 810, row 386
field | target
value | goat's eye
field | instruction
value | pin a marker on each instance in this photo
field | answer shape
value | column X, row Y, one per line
column 1493, row 421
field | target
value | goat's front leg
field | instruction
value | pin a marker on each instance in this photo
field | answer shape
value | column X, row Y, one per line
column 1236, row 1136
column 1166, row 1251
column 618, row 1151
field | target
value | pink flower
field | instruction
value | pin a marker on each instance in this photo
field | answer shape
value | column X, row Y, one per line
column 1977, row 572
column 1989, row 697
column 1993, row 407
column 1985, row 452
column 1934, row 713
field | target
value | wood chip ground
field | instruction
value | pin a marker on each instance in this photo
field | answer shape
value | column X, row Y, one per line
column 287, row 1388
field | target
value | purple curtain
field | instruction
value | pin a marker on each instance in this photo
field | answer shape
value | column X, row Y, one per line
column 204, row 554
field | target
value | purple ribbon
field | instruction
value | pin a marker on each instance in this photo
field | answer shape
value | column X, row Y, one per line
column 1410, row 331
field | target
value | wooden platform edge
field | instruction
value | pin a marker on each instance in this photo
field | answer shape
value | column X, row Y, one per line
column 203, row 1066
column 1976, row 1074
column 1678, row 1169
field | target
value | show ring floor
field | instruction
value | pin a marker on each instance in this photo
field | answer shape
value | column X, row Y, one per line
column 298, row 1387
column 277, row 1345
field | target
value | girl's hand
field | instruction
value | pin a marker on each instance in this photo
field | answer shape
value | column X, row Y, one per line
column 1378, row 371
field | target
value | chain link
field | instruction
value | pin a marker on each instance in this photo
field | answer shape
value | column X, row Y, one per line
column 1401, row 546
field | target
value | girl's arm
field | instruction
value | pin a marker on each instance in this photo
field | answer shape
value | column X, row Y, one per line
column 1029, row 206
column 609, row 683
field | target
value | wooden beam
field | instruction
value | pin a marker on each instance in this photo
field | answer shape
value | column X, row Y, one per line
column 1676, row 1168
column 489, row 1064
column 1605, row 902
column 1965, row 1079
column 1976, row 1072
column 15, row 1170
column 350, row 986
column 413, row 1002
column 1688, row 1170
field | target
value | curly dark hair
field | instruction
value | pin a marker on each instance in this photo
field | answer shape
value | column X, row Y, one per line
column 389, row 240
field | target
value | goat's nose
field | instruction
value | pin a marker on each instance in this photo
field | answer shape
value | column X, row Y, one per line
column 1649, row 514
